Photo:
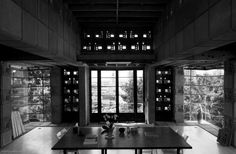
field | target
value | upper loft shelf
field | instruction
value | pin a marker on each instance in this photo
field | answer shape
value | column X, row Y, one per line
column 121, row 40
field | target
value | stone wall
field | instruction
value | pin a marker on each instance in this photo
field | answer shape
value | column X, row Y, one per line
column 178, row 94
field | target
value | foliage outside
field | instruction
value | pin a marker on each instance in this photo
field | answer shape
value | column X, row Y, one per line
column 203, row 90
column 31, row 93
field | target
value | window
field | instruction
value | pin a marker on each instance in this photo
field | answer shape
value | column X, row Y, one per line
column 140, row 91
column 117, row 91
column 108, row 91
column 94, row 93
column 126, row 91
column 203, row 90
column 30, row 92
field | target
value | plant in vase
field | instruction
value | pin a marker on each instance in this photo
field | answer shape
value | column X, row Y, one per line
column 109, row 126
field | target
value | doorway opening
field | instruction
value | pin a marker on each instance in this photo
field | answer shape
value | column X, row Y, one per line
column 31, row 95
column 204, row 96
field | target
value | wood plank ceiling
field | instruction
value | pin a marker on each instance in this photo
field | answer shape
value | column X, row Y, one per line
column 89, row 12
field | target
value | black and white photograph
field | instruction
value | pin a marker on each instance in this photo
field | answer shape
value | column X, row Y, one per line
column 118, row 76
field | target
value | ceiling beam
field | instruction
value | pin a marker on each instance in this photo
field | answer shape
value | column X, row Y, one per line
column 113, row 14
column 127, row 8
column 114, row 2
column 113, row 20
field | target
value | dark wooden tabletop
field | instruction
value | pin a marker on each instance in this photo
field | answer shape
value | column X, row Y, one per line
column 145, row 138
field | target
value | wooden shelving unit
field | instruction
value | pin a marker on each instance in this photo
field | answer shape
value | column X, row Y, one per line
column 121, row 40
column 71, row 95
column 164, row 104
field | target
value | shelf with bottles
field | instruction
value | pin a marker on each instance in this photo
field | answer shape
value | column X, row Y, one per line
column 163, row 80
column 110, row 34
column 71, row 91
column 163, row 72
column 69, row 81
column 111, row 46
column 71, row 99
column 147, row 34
column 163, row 99
column 71, row 108
column 88, row 36
column 164, row 108
column 68, row 72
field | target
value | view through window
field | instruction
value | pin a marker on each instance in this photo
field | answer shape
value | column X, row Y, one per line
column 204, row 93
column 117, row 91
column 30, row 92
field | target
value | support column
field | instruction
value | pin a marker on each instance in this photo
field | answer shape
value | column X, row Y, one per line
column 150, row 94
column 230, row 98
column 56, row 94
column 84, row 95
column 179, row 94
column 5, row 104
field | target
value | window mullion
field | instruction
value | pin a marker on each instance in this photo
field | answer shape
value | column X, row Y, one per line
column 99, row 91
column 117, row 92
column 135, row 90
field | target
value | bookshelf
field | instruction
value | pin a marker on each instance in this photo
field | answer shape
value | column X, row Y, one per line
column 164, row 105
column 71, row 94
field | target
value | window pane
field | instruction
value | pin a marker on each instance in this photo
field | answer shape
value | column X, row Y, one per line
column 140, row 73
column 109, row 74
column 126, row 92
column 140, row 91
column 108, row 82
column 94, row 74
column 94, row 92
column 108, row 103
column 125, row 81
column 108, row 91
column 94, row 81
column 126, row 74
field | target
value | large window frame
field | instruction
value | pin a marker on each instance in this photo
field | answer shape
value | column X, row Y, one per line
column 204, row 92
column 136, row 116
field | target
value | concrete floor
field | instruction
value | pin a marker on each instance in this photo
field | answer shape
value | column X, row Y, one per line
column 41, row 139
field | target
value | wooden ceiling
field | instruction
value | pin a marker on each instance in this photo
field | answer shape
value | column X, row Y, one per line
column 90, row 12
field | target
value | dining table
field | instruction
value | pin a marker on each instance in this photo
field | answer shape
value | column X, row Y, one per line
column 137, row 138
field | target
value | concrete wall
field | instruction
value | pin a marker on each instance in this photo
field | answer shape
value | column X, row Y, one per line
column 194, row 27
column 84, row 95
column 56, row 94
column 230, row 97
column 150, row 94
column 179, row 94
column 42, row 27
column 5, row 104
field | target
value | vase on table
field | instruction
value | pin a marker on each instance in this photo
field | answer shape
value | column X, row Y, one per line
column 110, row 134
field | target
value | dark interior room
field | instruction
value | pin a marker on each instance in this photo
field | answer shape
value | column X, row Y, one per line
column 118, row 76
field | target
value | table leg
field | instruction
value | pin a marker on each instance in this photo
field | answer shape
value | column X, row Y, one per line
column 136, row 151
column 140, row 151
column 178, row 151
column 64, row 152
